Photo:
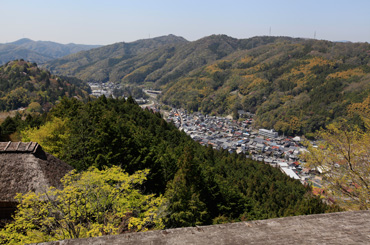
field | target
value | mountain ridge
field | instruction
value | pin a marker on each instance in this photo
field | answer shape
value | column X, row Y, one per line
column 38, row 51
column 113, row 63
column 107, row 56
column 295, row 88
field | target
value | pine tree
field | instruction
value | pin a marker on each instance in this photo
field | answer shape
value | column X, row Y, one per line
column 186, row 207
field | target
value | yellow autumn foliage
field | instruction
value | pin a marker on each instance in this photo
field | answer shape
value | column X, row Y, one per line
column 52, row 136
column 347, row 74
column 212, row 68
column 256, row 82
column 246, row 59
column 343, row 157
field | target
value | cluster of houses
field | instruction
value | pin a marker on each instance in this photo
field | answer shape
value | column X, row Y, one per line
column 106, row 89
column 240, row 137
column 99, row 89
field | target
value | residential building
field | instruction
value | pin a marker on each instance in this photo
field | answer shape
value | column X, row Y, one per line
column 268, row 133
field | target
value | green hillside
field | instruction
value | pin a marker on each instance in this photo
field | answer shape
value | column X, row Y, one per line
column 112, row 62
column 23, row 84
column 292, row 87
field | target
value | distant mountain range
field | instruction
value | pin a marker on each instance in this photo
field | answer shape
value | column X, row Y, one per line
column 38, row 51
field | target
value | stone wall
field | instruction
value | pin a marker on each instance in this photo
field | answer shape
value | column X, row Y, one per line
column 333, row 228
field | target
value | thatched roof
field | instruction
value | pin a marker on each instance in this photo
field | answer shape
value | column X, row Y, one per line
column 26, row 167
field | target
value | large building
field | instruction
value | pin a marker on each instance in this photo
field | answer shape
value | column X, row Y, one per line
column 268, row 133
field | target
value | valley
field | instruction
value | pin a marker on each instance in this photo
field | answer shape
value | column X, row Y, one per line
column 293, row 85
column 184, row 122
column 218, row 126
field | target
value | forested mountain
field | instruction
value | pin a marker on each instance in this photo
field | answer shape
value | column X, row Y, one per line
column 110, row 63
column 23, row 84
column 294, row 85
column 141, row 62
column 38, row 51
column 201, row 185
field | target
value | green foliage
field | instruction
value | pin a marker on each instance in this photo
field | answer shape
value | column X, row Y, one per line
column 343, row 159
column 34, row 107
column 18, row 123
column 23, row 84
column 53, row 135
column 91, row 203
column 106, row 132
column 187, row 206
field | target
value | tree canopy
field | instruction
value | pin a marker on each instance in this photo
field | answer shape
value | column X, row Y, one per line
column 343, row 158
column 91, row 203
column 24, row 84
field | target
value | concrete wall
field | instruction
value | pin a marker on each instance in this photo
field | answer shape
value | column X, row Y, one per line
column 334, row 228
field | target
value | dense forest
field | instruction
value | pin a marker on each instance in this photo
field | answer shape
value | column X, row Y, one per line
column 24, row 84
column 295, row 86
column 201, row 185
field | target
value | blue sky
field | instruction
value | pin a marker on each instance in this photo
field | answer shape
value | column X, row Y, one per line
column 111, row 21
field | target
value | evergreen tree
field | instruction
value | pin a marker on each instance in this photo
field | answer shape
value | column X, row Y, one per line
column 186, row 207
